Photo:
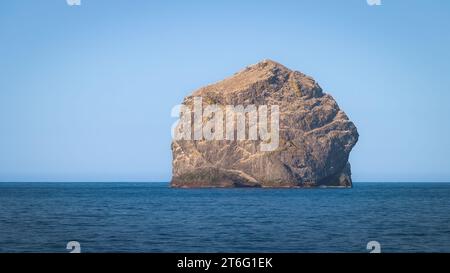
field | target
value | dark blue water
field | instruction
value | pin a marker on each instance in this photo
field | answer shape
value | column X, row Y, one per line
column 150, row 217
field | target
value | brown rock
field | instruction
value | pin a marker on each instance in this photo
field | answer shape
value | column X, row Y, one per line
column 315, row 136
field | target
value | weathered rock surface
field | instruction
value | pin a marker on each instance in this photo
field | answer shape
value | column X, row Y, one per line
column 316, row 137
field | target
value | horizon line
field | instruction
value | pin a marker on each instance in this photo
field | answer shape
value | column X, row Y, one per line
column 168, row 182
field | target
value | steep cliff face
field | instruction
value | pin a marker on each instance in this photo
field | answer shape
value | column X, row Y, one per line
column 315, row 136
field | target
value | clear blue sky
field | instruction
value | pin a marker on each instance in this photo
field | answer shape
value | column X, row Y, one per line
column 86, row 92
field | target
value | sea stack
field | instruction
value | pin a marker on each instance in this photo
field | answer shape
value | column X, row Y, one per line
column 315, row 137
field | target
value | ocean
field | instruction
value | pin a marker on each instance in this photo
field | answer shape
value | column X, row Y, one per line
column 151, row 217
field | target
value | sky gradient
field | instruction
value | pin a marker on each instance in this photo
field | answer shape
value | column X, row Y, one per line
column 86, row 91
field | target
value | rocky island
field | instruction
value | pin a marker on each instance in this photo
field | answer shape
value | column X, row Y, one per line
column 314, row 136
